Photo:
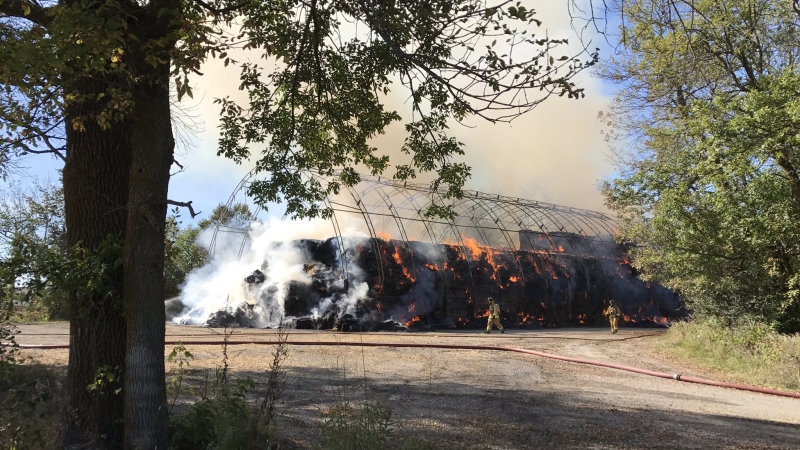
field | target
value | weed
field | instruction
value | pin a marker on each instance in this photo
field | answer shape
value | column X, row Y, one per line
column 9, row 349
column 28, row 393
column 225, row 417
column 180, row 357
column 349, row 427
column 265, row 420
column 747, row 351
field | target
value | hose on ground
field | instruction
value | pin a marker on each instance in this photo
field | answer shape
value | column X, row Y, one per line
column 669, row 376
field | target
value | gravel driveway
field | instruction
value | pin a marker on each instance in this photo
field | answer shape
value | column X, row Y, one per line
column 475, row 399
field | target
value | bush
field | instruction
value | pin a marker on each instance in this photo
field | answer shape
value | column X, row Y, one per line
column 348, row 427
column 38, row 309
column 747, row 350
column 28, row 393
column 368, row 426
column 218, row 422
column 234, row 414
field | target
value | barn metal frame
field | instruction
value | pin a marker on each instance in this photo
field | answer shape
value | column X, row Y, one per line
column 396, row 210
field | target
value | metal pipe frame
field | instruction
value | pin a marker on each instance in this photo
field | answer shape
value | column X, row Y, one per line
column 493, row 219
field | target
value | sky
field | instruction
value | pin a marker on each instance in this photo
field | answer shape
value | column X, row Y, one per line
column 556, row 153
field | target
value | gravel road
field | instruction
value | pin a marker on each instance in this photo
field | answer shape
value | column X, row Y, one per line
column 474, row 399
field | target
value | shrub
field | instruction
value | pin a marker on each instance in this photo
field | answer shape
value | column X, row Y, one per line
column 349, row 427
column 233, row 414
column 746, row 350
column 28, row 393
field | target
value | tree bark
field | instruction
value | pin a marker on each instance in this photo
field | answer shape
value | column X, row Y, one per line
column 153, row 145
column 95, row 181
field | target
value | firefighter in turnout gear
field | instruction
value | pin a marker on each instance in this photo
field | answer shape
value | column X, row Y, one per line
column 613, row 312
column 494, row 317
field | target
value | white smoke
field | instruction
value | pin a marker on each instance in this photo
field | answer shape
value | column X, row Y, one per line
column 272, row 248
column 346, row 304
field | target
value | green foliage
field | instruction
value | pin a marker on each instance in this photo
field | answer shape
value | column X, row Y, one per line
column 349, row 427
column 709, row 187
column 30, row 271
column 238, row 216
column 10, row 349
column 367, row 424
column 746, row 350
column 104, row 382
column 325, row 104
column 36, row 212
column 33, row 219
column 321, row 105
column 228, row 416
column 218, row 422
column 28, row 410
column 182, row 254
column 178, row 356
column 33, row 243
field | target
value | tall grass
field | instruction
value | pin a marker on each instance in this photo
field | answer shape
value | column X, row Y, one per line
column 746, row 351
column 232, row 414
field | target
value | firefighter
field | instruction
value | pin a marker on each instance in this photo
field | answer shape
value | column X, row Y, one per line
column 494, row 317
column 613, row 312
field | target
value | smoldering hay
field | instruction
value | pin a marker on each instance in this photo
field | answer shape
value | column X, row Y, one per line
column 275, row 250
column 291, row 273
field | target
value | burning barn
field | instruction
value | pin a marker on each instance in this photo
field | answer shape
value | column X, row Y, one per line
column 547, row 265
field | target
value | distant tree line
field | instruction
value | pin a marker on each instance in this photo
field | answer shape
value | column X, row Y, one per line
column 35, row 262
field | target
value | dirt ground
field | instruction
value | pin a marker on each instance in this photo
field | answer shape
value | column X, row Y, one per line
column 477, row 399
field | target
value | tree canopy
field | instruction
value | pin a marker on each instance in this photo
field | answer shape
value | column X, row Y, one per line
column 32, row 238
column 316, row 82
column 708, row 109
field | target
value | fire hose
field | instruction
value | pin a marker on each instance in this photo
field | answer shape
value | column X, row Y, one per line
column 672, row 376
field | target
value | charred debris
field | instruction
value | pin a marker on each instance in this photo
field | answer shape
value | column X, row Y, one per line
column 392, row 285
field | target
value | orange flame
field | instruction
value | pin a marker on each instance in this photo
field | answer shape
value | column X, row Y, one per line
column 628, row 318
column 472, row 245
column 413, row 321
column 398, row 258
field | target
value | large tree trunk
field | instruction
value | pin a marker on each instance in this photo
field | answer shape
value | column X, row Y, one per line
column 95, row 196
column 153, row 145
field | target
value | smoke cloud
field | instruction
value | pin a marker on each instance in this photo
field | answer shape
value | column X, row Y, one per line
column 274, row 249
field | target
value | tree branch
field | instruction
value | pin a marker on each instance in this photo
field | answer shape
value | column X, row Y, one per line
column 185, row 205
column 218, row 11
column 52, row 150
column 27, row 10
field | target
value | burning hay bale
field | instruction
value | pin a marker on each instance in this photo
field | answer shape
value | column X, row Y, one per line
column 385, row 284
column 241, row 316
column 257, row 277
